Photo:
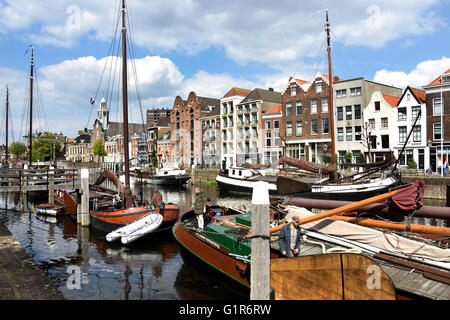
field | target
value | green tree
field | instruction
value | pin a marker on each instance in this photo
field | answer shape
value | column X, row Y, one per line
column 45, row 149
column 412, row 164
column 348, row 157
column 98, row 149
column 361, row 159
column 154, row 158
column 17, row 149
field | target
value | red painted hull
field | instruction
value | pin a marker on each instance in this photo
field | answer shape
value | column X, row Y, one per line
column 108, row 221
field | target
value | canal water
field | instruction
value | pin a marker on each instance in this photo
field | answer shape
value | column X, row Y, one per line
column 83, row 265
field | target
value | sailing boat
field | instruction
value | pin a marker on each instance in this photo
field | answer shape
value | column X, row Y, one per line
column 121, row 208
column 310, row 180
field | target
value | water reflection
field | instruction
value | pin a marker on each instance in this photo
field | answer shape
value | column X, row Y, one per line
column 83, row 265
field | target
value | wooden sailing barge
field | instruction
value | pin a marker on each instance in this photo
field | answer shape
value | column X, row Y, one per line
column 329, row 257
column 111, row 209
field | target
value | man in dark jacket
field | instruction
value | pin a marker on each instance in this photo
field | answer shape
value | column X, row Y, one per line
column 199, row 207
column 289, row 238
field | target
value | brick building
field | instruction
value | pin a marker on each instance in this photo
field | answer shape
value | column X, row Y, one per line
column 306, row 123
column 438, row 121
column 186, row 128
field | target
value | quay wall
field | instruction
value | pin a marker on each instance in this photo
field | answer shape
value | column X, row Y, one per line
column 435, row 187
column 202, row 175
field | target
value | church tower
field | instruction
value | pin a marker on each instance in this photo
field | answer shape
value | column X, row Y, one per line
column 103, row 114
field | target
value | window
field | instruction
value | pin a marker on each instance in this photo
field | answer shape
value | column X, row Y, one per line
column 313, row 106
column 298, row 106
column 324, row 105
column 384, row 123
column 348, row 133
column 288, row 129
column 299, row 128
column 288, row 109
column 372, row 124
column 340, row 132
column 276, row 124
column 415, row 112
column 325, row 127
column 276, row 139
column 358, row 133
column 341, row 93
column 293, row 91
column 385, row 141
column 377, row 105
column 268, row 139
column 356, row 154
column 402, row 134
column 340, row 113
column 318, row 86
column 357, row 111
column 446, row 78
column 437, row 131
column 417, row 136
column 267, row 124
column 314, row 127
column 348, row 113
column 355, row 91
column 341, row 157
column 437, row 107
column 402, row 113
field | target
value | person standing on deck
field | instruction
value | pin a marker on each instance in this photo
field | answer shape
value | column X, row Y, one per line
column 199, row 206
column 289, row 238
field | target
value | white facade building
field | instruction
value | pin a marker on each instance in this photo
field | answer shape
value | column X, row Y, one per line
column 412, row 101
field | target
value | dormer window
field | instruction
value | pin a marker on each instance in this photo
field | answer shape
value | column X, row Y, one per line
column 293, row 91
column 318, row 86
column 446, row 78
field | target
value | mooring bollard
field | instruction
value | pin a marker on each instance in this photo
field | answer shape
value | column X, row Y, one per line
column 84, row 214
column 260, row 260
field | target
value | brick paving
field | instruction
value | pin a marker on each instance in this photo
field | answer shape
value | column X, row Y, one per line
column 20, row 277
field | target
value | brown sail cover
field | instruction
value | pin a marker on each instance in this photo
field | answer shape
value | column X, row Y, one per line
column 308, row 166
column 109, row 175
column 408, row 198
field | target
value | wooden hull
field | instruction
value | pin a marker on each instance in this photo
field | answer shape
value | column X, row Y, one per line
column 177, row 180
column 218, row 258
column 108, row 221
column 48, row 209
column 333, row 276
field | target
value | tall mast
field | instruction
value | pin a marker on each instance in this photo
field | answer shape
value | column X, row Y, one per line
column 125, row 96
column 330, row 98
column 30, row 143
column 7, row 113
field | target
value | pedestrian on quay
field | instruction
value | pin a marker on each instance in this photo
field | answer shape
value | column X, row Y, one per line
column 199, row 207
column 289, row 238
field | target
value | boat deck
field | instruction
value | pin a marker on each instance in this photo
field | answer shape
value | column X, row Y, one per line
column 407, row 279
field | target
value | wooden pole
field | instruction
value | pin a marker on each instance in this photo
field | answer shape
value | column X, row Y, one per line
column 260, row 260
column 51, row 186
column 347, row 208
column 84, row 214
column 399, row 226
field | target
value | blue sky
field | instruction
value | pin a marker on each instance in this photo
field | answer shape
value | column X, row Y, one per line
column 211, row 46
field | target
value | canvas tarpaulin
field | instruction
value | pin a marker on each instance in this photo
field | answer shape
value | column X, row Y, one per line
column 388, row 242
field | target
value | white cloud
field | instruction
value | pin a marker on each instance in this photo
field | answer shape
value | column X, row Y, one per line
column 424, row 73
column 263, row 31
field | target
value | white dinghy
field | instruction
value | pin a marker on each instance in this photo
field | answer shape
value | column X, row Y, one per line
column 136, row 229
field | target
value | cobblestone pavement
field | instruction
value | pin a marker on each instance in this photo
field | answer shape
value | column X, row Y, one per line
column 20, row 277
